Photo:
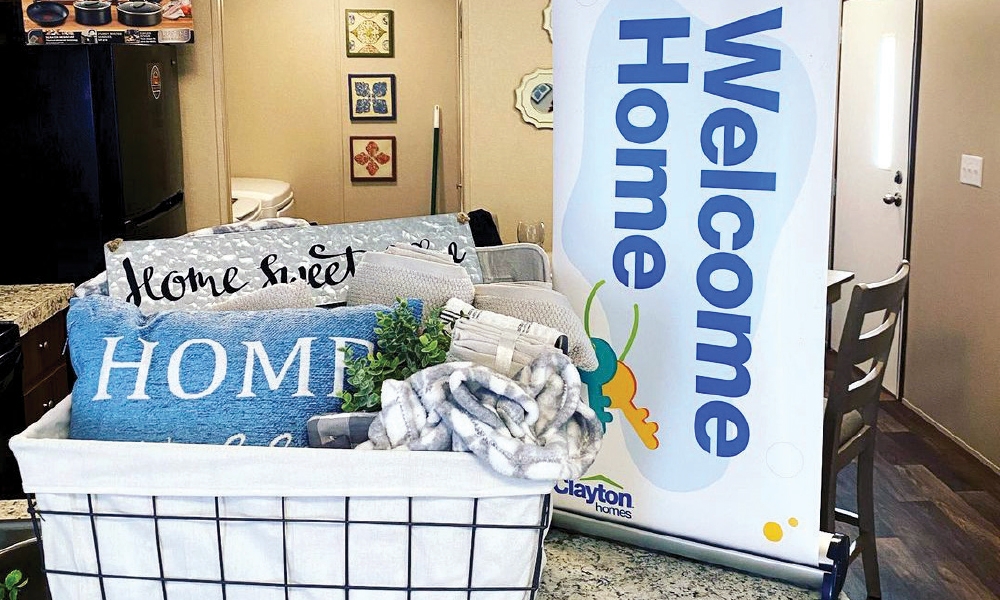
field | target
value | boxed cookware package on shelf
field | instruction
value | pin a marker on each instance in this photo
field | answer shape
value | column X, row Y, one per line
column 143, row 22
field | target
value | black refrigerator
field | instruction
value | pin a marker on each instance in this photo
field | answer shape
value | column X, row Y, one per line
column 90, row 151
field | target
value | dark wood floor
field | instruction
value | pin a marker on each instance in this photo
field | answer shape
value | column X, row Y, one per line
column 937, row 512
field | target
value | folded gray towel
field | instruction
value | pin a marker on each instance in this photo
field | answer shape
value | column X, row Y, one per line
column 380, row 278
column 536, row 426
column 339, row 430
column 280, row 295
column 404, row 249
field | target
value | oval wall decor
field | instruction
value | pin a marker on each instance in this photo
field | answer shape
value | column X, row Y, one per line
column 533, row 98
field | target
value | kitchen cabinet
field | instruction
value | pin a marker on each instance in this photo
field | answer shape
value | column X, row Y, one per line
column 36, row 313
column 47, row 376
column 39, row 311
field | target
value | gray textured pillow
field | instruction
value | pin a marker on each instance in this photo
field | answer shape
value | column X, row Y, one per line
column 540, row 305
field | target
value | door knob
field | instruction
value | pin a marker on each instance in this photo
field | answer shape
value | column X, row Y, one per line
column 895, row 198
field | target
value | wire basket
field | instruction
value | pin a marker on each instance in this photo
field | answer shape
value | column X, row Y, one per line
column 151, row 530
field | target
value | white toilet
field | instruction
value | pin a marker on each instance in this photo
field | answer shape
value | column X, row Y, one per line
column 261, row 198
column 245, row 209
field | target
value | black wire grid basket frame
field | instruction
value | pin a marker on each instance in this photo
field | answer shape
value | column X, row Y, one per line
column 529, row 591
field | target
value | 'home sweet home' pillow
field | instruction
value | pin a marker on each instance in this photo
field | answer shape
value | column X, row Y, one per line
column 236, row 377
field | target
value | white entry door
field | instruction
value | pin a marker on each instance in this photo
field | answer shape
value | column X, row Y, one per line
column 873, row 144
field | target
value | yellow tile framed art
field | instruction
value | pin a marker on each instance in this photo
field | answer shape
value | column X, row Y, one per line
column 370, row 33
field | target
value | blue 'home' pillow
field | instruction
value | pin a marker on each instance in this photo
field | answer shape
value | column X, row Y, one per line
column 237, row 377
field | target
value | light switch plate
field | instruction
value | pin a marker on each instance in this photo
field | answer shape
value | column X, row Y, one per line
column 972, row 170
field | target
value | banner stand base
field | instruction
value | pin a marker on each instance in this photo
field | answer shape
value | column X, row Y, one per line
column 827, row 576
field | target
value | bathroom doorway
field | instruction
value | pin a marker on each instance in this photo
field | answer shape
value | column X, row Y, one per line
column 288, row 114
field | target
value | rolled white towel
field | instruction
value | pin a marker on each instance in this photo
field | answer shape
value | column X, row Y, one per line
column 540, row 305
column 504, row 349
column 456, row 309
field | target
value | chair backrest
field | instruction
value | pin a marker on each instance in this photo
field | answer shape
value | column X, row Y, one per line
column 864, row 350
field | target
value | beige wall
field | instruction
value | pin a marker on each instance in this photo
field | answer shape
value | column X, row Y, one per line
column 953, row 351
column 286, row 85
column 284, row 103
column 508, row 163
column 202, row 95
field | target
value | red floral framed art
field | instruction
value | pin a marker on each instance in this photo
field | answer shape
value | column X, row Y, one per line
column 373, row 158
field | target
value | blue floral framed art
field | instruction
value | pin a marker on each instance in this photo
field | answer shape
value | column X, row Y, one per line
column 372, row 97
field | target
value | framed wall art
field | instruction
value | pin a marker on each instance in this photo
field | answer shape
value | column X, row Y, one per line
column 547, row 19
column 533, row 98
column 369, row 33
column 373, row 158
column 372, row 97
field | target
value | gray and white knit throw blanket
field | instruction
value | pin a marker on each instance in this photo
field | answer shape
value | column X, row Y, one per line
column 535, row 426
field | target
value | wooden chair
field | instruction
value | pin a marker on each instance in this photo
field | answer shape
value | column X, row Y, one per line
column 851, row 411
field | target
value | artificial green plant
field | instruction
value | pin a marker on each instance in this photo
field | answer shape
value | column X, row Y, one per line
column 12, row 584
column 404, row 345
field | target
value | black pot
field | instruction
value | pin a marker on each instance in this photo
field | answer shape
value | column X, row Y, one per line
column 140, row 13
column 26, row 558
column 47, row 13
column 92, row 12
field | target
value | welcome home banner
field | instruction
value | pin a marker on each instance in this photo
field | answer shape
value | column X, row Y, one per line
column 195, row 271
column 693, row 152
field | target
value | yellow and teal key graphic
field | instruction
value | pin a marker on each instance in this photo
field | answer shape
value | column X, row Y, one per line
column 613, row 384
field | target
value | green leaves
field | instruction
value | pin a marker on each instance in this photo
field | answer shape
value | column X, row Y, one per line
column 404, row 346
column 12, row 585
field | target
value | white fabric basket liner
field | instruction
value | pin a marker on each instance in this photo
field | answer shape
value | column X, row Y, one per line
column 259, row 519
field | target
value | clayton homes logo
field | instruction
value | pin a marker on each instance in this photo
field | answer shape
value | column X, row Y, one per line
column 615, row 502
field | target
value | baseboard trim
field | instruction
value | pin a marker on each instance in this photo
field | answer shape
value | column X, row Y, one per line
column 948, row 433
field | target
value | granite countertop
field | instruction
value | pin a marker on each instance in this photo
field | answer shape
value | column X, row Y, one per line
column 13, row 509
column 31, row 305
column 579, row 567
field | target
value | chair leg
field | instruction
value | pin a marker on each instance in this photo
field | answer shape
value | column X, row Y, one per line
column 866, row 520
column 828, row 497
column 827, row 512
